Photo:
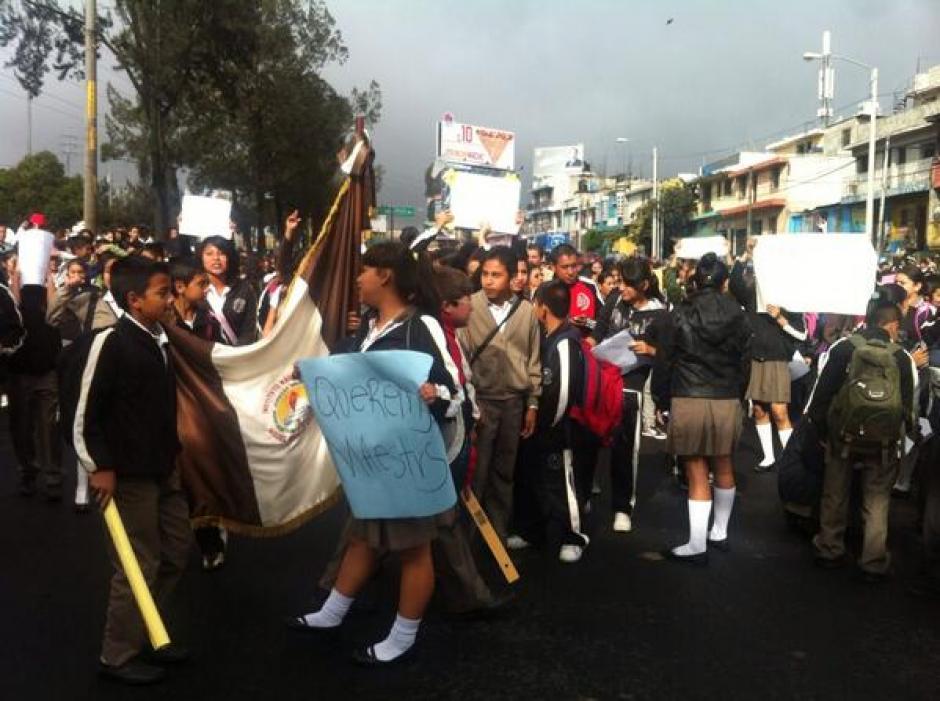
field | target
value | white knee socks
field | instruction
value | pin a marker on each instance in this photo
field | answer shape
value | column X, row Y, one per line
column 400, row 639
column 766, row 434
column 724, row 503
column 332, row 613
column 784, row 434
column 699, row 511
column 81, row 486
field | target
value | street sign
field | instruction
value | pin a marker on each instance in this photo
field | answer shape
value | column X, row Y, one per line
column 397, row 211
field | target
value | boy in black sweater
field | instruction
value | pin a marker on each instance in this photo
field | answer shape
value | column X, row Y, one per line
column 125, row 436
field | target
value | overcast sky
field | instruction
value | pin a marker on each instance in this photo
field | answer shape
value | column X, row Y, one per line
column 724, row 75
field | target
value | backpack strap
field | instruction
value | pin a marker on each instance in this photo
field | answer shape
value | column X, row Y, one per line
column 478, row 351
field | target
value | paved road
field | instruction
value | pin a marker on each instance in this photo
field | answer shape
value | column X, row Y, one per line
column 759, row 622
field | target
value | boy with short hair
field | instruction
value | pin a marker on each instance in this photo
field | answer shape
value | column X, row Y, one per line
column 502, row 344
column 190, row 284
column 125, row 437
column 564, row 466
column 834, row 407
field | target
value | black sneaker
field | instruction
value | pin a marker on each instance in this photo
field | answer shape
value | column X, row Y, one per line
column 134, row 672
column 829, row 563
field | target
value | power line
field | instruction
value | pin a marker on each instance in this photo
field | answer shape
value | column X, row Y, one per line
column 73, row 115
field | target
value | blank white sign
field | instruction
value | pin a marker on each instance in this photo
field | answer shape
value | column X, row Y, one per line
column 205, row 216
column 822, row 273
column 475, row 199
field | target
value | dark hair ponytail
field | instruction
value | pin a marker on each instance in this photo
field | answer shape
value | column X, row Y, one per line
column 710, row 272
column 412, row 274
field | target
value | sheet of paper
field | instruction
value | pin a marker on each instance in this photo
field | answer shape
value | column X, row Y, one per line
column 385, row 443
column 832, row 273
column 475, row 199
column 616, row 350
column 206, row 216
column 34, row 249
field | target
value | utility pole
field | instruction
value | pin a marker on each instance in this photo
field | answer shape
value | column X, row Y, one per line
column 89, row 209
column 826, row 88
column 655, row 242
column 885, row 162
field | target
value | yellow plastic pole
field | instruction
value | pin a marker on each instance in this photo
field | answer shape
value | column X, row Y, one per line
column 148, row 610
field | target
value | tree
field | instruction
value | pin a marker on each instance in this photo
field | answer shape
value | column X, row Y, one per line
column 38, row 184
column 275, row 147
column 229, row 89
column 676, row 206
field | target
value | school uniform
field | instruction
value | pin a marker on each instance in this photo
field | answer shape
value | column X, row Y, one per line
column 236, row 309
column 414, row 332
column 652, row 324
column 561, row 445
column 507, row 380
column 34, row 396
column 126, row 422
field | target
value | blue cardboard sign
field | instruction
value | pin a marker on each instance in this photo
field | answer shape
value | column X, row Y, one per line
column 385, row 443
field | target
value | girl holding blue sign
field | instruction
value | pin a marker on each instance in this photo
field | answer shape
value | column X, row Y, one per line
column 397, row 285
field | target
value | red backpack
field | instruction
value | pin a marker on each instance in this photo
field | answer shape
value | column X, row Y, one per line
column 601, row 407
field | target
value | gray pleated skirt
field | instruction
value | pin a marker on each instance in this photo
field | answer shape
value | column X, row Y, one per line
column 770, row 382
column 703, row 427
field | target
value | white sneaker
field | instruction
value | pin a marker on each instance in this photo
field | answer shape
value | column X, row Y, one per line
column 572, row 553
column 517, row 542
column 622, row 522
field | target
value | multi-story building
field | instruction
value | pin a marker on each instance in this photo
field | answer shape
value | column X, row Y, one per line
column 762, row 192
column 905, row 181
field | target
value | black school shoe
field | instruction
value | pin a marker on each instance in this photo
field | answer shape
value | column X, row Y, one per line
column 366, row 657
column 134, row 672
column 169, row 655
column 721, row 545
column 699, row 559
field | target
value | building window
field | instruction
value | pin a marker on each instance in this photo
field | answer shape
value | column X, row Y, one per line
column 742, row 186
column 861, row 164
column 775, row 179
column 928, row 150
column 727, row 187
column 905, row 217
column 846, row 137
column 901, row 157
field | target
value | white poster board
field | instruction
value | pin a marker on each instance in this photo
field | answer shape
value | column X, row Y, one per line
column 203, row 217
column 477, row 146
column 823, row 273
column 34, row 250
column 694, row 247
column 478, row 199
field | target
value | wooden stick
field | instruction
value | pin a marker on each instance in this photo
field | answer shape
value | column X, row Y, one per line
column 482, row 522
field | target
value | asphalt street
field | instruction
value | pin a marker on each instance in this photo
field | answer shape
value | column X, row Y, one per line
column 758, row 622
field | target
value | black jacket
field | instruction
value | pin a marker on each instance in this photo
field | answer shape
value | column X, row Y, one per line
column 769, row 342
column 832, row 376
column 129, row 412
column 12, row 332
column 39, row 351
column 710, row 352
column 241, row 312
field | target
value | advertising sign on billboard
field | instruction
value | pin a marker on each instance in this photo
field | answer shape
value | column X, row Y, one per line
column 558, row 160
column 477, row 146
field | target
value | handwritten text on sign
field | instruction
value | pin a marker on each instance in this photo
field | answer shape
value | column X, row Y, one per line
column 386, row 445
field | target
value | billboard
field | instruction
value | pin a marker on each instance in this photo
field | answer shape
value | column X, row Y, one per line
column 476, row 146
column 558, row 160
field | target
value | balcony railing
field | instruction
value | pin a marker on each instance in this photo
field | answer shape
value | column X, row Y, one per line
column 913, row 176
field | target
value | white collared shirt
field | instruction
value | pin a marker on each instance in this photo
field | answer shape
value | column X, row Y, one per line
column 499, row 312
column 160, row 338
column 216, row 299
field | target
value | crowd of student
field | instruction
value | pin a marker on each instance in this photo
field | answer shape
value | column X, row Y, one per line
column 538, row 366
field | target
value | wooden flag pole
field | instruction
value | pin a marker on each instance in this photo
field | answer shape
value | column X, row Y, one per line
column 482, row 522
